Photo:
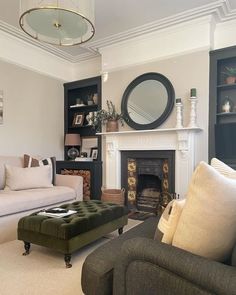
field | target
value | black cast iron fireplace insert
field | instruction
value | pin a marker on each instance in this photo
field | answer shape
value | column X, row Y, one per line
column 145, row 175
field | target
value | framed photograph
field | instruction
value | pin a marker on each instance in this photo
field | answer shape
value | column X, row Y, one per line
column 94, row 153
column 78, row 119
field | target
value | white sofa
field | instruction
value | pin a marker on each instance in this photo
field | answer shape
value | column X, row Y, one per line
column 16, row 204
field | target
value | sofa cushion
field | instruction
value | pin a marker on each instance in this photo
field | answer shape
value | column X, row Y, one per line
column 12, row 202
column 169, row 220
column 13, row 161
column 223, row 168
column 33, row 162
column 207, row 225
column 18, row 178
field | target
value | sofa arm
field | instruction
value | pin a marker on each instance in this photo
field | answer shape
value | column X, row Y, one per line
column 73, row 181
column 146, row 266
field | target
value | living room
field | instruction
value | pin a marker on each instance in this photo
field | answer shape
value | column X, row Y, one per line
column 184, row 44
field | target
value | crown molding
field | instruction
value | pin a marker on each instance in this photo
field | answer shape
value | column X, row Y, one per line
column 220, row 10
column 7, row 28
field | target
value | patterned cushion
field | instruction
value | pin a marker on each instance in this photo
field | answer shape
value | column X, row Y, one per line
column 33, row 162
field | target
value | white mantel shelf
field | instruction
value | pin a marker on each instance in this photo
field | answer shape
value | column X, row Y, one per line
column 194, row 129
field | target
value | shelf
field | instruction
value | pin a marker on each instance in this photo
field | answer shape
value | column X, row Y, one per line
column 151, row 131
column 84, row 126
column 226, row 86
column 77, row 94
column 226, row 114
column 82, row 108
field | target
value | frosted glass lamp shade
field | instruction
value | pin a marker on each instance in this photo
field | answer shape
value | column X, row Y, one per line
column 61, row 22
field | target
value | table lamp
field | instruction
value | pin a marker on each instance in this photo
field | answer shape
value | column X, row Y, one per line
column 72, row 139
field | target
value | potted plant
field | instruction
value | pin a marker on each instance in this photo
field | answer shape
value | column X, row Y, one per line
column 230, row 74
column 109, row 117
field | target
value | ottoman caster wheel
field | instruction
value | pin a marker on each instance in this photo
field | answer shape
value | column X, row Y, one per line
column 27, row 248
column 67, row 259
column 120, row 230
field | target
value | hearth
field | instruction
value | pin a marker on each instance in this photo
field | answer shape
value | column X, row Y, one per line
column 146, row 175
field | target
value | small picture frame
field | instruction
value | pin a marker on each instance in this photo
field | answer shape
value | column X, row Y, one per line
column 78, row 120
column 94, row 153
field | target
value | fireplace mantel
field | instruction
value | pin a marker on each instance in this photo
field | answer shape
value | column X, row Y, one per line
column 183, row 136
column 192, row 129
column 180, row 140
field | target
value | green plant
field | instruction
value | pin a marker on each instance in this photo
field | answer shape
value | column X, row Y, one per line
column 229, row 72
column 103, row 116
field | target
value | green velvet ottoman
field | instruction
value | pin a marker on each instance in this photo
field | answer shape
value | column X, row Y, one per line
column 93, row 220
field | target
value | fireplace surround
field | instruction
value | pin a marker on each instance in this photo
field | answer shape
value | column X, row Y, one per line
column 179, row 140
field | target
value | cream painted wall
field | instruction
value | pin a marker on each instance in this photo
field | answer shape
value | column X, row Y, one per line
column 184, row 72
column 33, row 113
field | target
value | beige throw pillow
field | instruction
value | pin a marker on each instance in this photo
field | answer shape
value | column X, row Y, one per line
column 169, row 220
column 223, row 168
column 18, row 178
column 207, row 225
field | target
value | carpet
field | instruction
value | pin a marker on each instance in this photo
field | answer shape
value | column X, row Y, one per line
column 43, row 270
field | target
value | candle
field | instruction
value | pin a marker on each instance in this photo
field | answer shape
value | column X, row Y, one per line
column 193, row 92
column 178, row 100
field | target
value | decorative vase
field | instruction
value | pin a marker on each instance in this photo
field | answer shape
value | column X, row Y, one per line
column 112, row 126
column 227, row 105
column 230, row 80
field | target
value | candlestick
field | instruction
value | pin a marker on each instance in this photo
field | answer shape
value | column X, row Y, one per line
column 193, row 113
column 193, row 92
column 179, row 116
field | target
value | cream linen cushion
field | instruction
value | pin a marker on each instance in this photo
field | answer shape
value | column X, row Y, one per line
column 18, row 178
column 169, row 220
column 223, row 168
column 207, row 225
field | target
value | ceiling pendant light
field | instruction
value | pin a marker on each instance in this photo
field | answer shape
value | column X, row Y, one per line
column 61, row 22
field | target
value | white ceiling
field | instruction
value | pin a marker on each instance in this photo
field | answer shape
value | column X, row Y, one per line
column 114, row 17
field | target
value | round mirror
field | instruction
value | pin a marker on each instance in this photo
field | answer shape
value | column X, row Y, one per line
column 147, row 101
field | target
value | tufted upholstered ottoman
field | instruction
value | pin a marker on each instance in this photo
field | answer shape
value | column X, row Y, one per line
column 93, row 219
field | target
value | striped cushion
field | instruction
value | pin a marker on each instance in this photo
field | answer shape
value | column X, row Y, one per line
column 33, row 162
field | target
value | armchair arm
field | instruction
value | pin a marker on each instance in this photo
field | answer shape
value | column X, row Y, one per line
column 150, row 267
column 73, row 181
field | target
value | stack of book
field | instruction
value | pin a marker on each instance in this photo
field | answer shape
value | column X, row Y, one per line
column 56, row 212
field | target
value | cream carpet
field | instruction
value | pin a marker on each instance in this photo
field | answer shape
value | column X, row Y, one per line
column 43, row 271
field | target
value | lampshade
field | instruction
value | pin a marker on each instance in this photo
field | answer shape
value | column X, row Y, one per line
column 61, row 22
column 72, row 140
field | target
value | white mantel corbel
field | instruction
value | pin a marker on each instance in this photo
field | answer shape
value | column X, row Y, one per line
column 183, row 139
column 111, row 147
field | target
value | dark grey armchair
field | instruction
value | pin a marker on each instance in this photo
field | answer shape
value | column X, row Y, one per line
column 135, row 264
column 149, row 267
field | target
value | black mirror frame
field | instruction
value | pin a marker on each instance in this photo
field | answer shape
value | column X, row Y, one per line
column 170, row 100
